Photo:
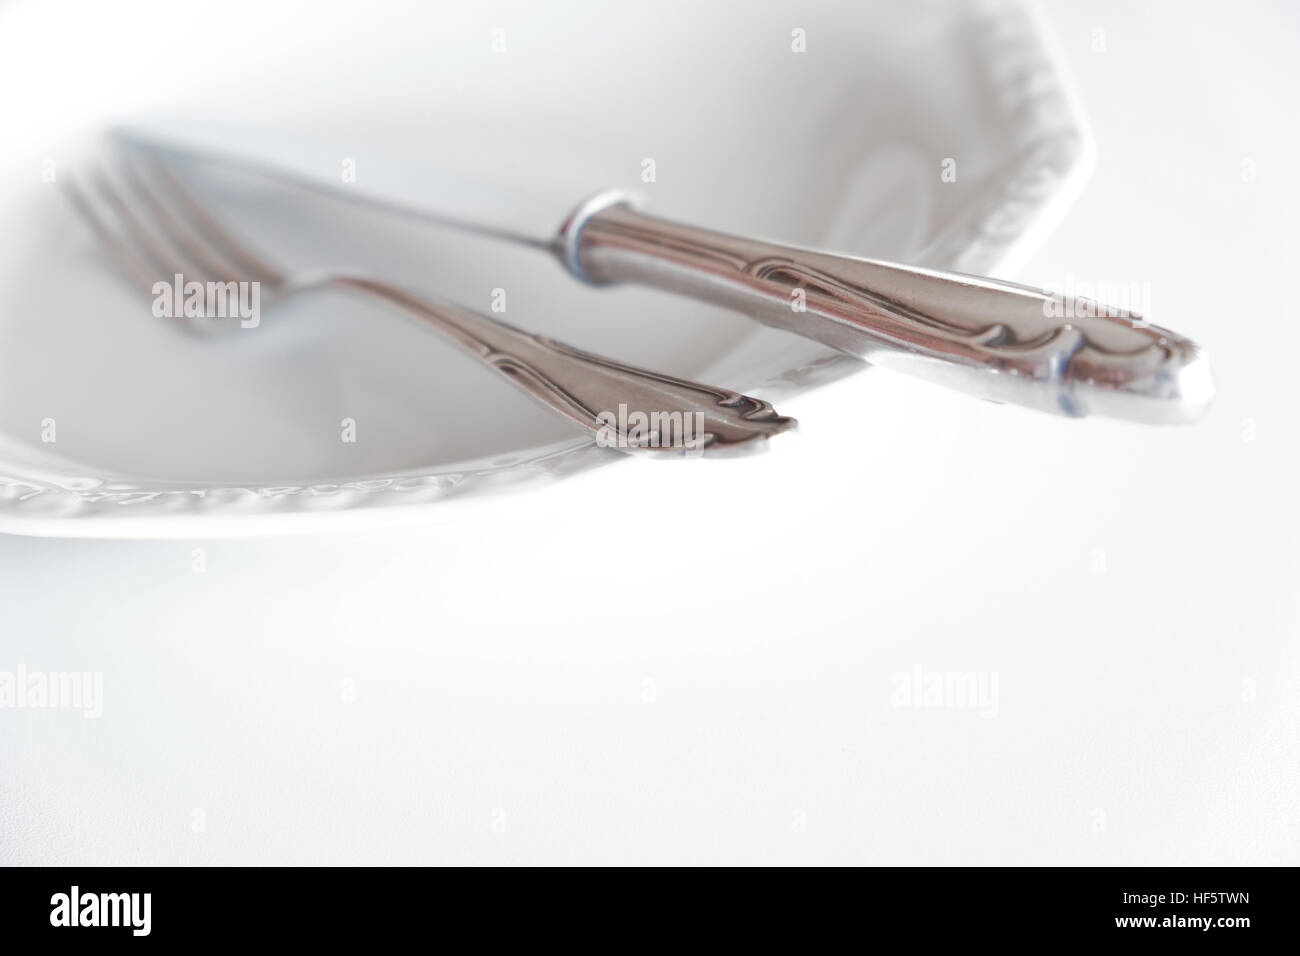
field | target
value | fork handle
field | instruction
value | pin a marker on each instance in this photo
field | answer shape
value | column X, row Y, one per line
column 996, row 340
column 623, row 406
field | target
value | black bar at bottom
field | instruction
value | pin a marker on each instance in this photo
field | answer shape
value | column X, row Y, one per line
column 1175, row 905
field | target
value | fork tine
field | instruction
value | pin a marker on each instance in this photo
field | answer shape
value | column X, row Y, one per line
column 205, row 262
column 141, row 260
column 161, row 254
column 200, row 221
column 141, row 228
column 138, row 268
column 142, row 257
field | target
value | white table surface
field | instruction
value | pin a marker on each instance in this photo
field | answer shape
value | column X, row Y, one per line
column 700, row 662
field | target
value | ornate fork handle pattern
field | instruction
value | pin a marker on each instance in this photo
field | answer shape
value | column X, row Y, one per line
column 624, row 406
column 997, row 340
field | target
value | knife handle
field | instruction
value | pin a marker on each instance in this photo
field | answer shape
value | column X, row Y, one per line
column 996, row 340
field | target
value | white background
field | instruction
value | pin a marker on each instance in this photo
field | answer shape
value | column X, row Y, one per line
column 697, row 662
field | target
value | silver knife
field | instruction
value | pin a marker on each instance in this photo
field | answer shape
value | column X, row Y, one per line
column 989, row 338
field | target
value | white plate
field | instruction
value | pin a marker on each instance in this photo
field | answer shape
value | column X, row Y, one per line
column 842, row 146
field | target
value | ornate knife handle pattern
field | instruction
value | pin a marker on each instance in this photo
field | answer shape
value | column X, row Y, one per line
column 996, row 340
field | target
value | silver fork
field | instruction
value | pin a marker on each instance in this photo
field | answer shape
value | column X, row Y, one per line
column 155, row 228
